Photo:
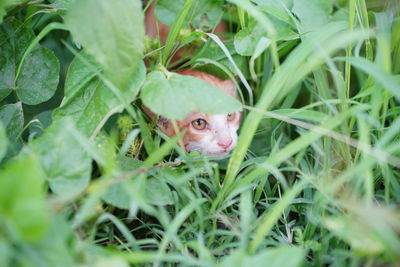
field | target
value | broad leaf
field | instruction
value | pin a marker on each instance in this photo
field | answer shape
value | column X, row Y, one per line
column 312, row 13
column 40, row 122
column 281, row 256
column 53, row 249
column 156, row 191
column 277, row 4
column 39, row 76
column 38, row 79
column 177, row 95
column 13, row 120
column 204, row 13
column 212, row 52
column 5, row 4
column 246, row 40
column 113, row 34
column 5, row 252
column 22, row 199
column 62, row 3
column 3, row 141
column 66, row 164
column 88, row 101
column 117, row 194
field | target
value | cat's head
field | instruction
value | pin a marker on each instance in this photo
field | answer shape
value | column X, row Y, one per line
column 209, row 134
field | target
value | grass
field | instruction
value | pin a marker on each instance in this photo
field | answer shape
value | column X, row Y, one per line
column 314, row 178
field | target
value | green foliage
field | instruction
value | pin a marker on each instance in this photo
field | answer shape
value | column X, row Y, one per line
column 88, row 100
column 3, row 141
column 66, row 164
column 205, row 14
column 174, row 96
column 86, row 179
column 38, row 79
column 4, row 4
column 22, row 195
column 113, row 36
column 12, row 117
column 282, row 256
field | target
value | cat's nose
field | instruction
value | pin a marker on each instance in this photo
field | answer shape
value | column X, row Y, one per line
column 225, row 143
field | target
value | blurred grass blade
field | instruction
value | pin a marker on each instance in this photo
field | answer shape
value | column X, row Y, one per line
column 174, row 30
column 290, row 73
column 388, row 81
column 272, row 216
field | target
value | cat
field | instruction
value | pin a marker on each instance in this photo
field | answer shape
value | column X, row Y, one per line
column 209, row 134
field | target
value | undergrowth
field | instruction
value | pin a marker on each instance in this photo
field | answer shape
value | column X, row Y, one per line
column 87, row 179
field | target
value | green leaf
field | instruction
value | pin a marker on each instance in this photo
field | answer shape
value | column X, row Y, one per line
column 53, row 249
column 88, row 101
column 39, row 76
column 312, row 13
column 22, row 199
column 117, row 194
column 5, row 252
column 158, row 192
column 247, row 39
column 204, row 13
column 3, row 141
column 274, row 3
column 66, row 164
column 40, row 122
column 13, row 120
column 177, row 95
column 214, row 53
column 62, row 3
column 38, row 79
column 4, row 4
column 113, row 34
column 281, row 256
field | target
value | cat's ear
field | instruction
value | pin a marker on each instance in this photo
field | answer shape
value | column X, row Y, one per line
column 164, row 124
column 230, row 88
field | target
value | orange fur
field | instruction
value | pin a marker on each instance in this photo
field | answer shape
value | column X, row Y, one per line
column 220, row 139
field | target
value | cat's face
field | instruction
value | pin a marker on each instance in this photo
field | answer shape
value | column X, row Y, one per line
column 214, row 134
column 209, row 134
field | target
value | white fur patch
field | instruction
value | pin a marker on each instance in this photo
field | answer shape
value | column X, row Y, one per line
column 219, row 130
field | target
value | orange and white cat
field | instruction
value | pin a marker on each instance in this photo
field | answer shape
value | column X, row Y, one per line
column 209, row 134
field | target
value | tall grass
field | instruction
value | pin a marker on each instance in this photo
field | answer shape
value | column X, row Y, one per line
column 313, row 180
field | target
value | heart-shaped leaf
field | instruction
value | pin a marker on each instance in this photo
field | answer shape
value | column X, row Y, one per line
column 113, row 34
column 22, row 199
column 38, row 79
column 67, row 165
column 88, row 101
column 177, row 95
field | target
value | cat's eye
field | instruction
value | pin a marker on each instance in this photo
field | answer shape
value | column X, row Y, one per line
column 230, row 116
column 199, row 124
